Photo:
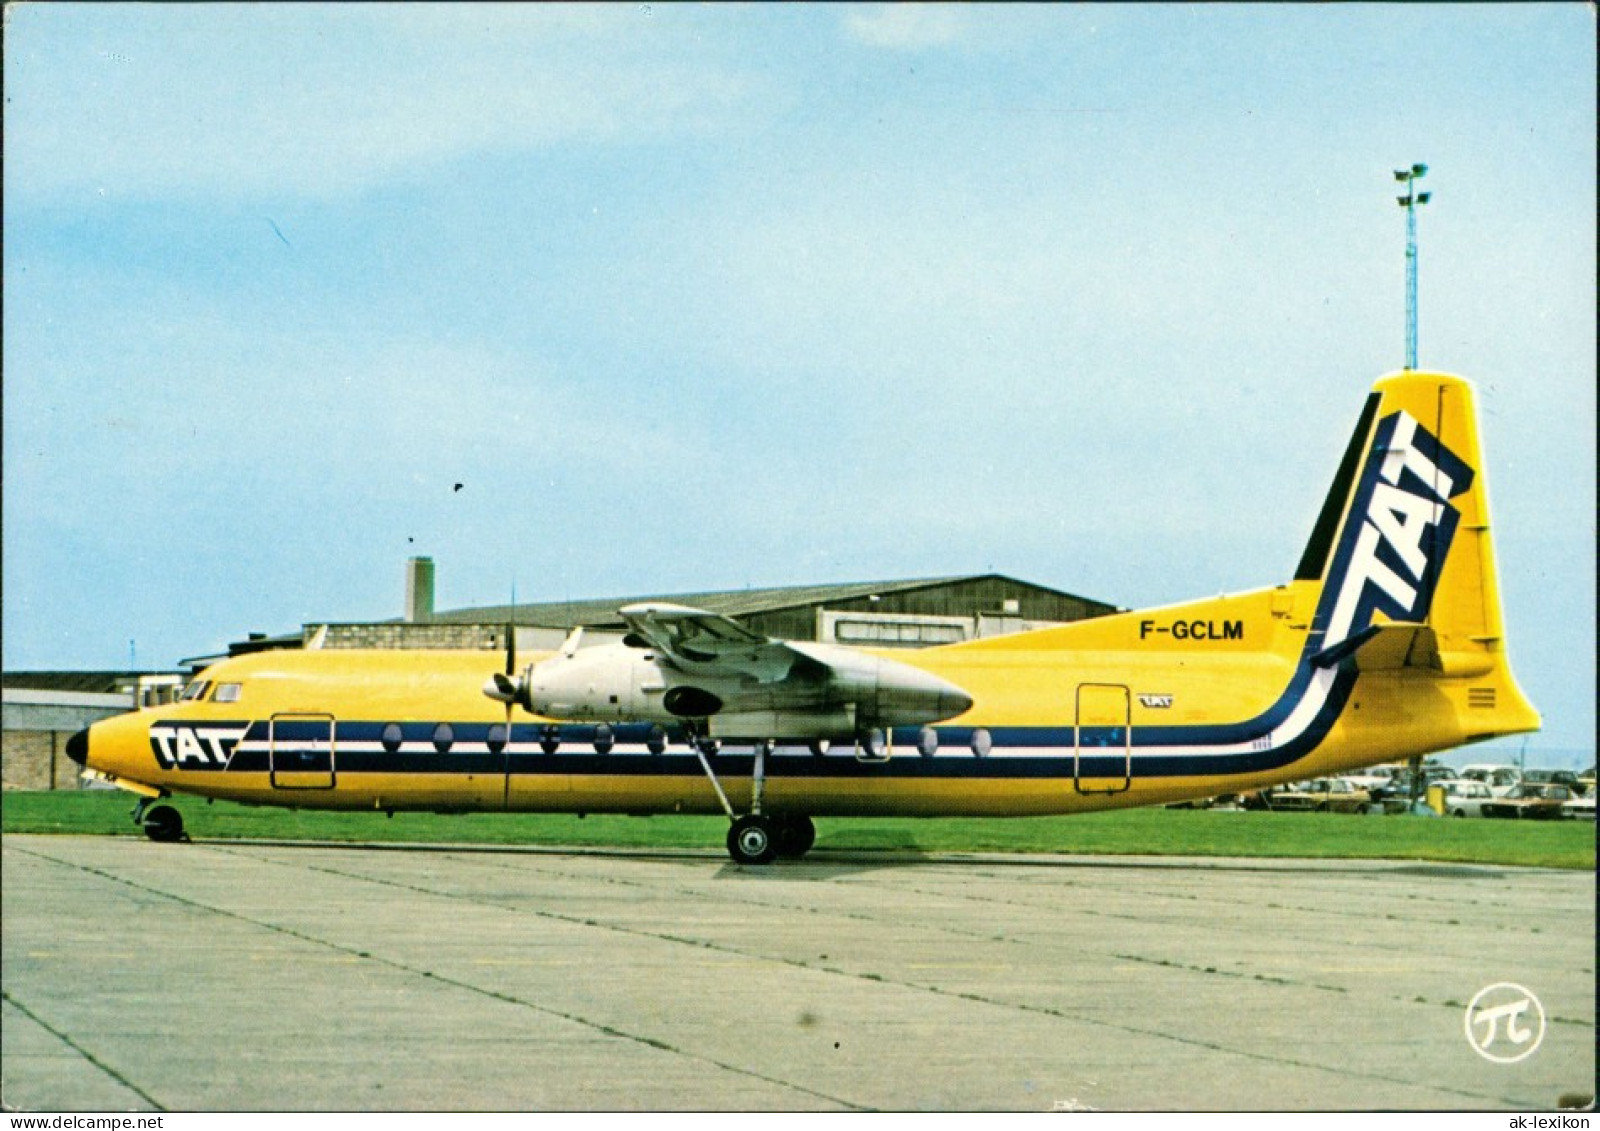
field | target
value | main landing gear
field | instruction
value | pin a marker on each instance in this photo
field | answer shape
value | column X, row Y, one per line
column 757, row 837
column 161, row 823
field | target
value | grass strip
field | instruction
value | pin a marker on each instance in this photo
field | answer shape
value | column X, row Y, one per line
column 1143, row 832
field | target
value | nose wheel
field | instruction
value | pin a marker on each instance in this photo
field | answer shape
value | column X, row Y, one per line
column 161, row 823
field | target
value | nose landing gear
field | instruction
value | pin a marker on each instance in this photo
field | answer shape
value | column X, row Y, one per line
column 161, row 823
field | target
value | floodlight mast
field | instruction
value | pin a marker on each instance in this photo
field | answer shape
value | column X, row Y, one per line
column 1412, row 198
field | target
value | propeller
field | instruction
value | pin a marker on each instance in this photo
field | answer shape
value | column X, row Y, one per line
column 503, row 686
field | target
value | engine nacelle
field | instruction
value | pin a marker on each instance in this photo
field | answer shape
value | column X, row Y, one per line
column 612, row 683
column 831, row 692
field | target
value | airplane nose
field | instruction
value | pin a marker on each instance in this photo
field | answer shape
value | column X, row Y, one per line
column 78, row 747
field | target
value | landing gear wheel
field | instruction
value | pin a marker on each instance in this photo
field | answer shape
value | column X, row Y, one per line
column 750, row 841
column 793, row 836
column 163, row 824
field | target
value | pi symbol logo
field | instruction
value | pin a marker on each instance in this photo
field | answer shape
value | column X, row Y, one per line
column 1505, row 1023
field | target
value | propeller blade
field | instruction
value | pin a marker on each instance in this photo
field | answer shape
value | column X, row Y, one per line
column 502, row 683
column 501, row 688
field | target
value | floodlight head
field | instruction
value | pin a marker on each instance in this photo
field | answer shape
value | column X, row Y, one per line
column 1401, row 175
column 1422, row 197
column 1419, row 170
column 1402, row 201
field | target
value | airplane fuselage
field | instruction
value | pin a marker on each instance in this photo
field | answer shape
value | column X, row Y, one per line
column 1125, row 710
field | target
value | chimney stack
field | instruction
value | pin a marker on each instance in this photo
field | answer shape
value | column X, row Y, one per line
column 419, row 590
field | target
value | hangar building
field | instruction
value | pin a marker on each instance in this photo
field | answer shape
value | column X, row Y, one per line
column 878, row 614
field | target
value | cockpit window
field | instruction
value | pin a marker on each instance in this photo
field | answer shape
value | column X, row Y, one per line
column 196, row 690
column 227, row 693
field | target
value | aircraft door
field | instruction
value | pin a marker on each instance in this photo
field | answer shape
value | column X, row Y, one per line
column 300, row 751
column 1102, row 757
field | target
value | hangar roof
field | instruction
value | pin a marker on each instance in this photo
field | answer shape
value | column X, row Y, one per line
column 767, row 607
column 733, row 603
column 92, row 683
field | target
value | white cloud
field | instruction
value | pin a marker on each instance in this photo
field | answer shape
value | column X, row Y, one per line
column 321, row 101
column 906, row 27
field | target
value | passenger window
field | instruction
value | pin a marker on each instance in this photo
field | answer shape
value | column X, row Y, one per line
column 227, row 693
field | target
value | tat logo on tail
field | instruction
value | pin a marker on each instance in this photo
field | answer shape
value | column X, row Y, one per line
column 1400, row 529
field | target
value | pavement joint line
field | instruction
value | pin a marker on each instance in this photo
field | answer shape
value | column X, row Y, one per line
column 510, row 999
column 855, row 916
column 968, row 895
column 81, row 1051
column 1097, row 913
column 1479, row 872
column 1046, row 1011
column 987, row 937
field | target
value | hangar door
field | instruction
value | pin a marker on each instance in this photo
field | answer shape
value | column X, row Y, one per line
column 300, row 751
column 1102, row 757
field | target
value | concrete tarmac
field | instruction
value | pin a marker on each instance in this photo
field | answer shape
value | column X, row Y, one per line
column 227, row 976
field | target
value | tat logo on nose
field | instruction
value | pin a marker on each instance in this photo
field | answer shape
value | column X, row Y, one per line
column 178, row 746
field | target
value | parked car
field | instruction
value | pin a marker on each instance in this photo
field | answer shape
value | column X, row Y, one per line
column 1530, row 801
column 1466, row 798
column 1398, row 797
column 1500, row 779
column 1581, row 807
column 1323, row 795
column 1553, row 777
column 1373, row 779
column 1586, row 779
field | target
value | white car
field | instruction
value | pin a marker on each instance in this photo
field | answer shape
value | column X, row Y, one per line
column 1465, row 798
column 1581, row 807
column 1372, row 778
column 1501, row 779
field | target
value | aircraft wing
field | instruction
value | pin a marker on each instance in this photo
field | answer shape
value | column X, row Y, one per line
column 707, row 644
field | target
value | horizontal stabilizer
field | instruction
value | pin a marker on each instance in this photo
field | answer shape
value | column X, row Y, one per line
column 1385, row 647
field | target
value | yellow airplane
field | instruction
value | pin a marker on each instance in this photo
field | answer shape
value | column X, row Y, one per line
column 1386, row 645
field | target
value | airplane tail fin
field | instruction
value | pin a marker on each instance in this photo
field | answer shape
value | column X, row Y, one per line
column 1404, row 553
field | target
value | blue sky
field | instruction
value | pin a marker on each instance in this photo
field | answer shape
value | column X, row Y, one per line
column 704, row 297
